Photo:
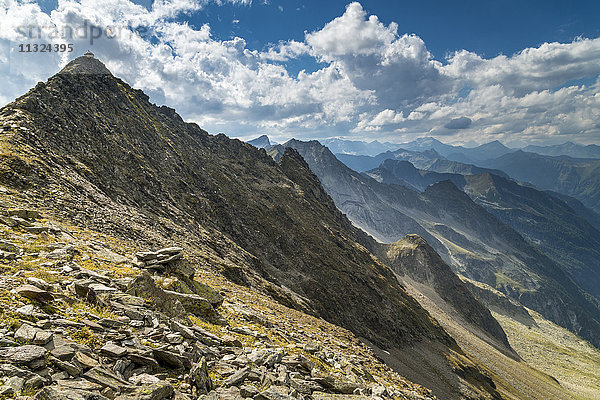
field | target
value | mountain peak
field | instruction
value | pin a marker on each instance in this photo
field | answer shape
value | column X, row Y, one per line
column 262, row 142
column 85, row 65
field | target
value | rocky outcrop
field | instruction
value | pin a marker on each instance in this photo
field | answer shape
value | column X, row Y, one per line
column 414, row 258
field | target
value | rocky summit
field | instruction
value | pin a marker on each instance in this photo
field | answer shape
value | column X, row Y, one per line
column 144, row 258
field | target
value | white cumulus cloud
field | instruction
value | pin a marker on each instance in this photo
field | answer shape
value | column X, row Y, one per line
column 370, row 79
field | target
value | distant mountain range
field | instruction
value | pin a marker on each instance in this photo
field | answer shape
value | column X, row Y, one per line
column 477, row 243
column 563, row 233
column 429, row 160
column 566, row 149
column 358, row 147
column 485, row 151
column 575, row 177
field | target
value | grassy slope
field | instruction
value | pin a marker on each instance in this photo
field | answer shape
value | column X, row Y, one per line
column 515, row 379
column 556, row 351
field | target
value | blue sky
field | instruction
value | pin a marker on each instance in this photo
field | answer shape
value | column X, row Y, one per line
column 516, row 71
column 485, row 27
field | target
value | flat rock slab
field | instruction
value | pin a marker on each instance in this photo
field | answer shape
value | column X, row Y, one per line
column 157, row 391
column 65, row 393
column 34, row 293
column 112, row 350
column 78, row 384
column 85, row 361
column 170, row 359
column 106, row 378
column 272, row 394
column 22, row 354
column 64, row 353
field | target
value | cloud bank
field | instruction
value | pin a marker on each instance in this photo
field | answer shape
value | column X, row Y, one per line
column 372, row 81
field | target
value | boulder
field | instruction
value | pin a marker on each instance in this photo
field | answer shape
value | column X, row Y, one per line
column 34, row 293
column 22, row 354
column 144, row 286
column 192, row 303
column 237, row 378
column 170, row 359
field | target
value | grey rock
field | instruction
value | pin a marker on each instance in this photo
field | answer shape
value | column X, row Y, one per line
column 34, row 293
column 62, row 375
column 272, row 394
column 9, row 370
column 111, row 323
column 157, row 391
column 79, row 383
column 304, row 386
column 102, row 288
column 93, row 325
column 237, row 378
column 26, row 333
column 105, row 378
column 193, row 303
column 42, row 284
column 144, row 286
column 35, row 382
column 70, row 368
column 64, row 353
column 4, row 342
column 112, row 350
column 170, row 251
column 174, row 338
column 66, row 323
column 65, row 393
column 36, row 228
column 199, row 377
column 85, row 361
column 140, row 359
column 22, row 354
column 248, row 391
column 42, row 337
column 146, row 255
column 30, row 334
column 26, row 310
column 221, row 393
column 170, row 359
column 182, row 329
column 144, row 379
column 12, row 386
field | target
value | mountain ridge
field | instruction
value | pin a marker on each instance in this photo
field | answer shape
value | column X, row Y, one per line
column 94, row 151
